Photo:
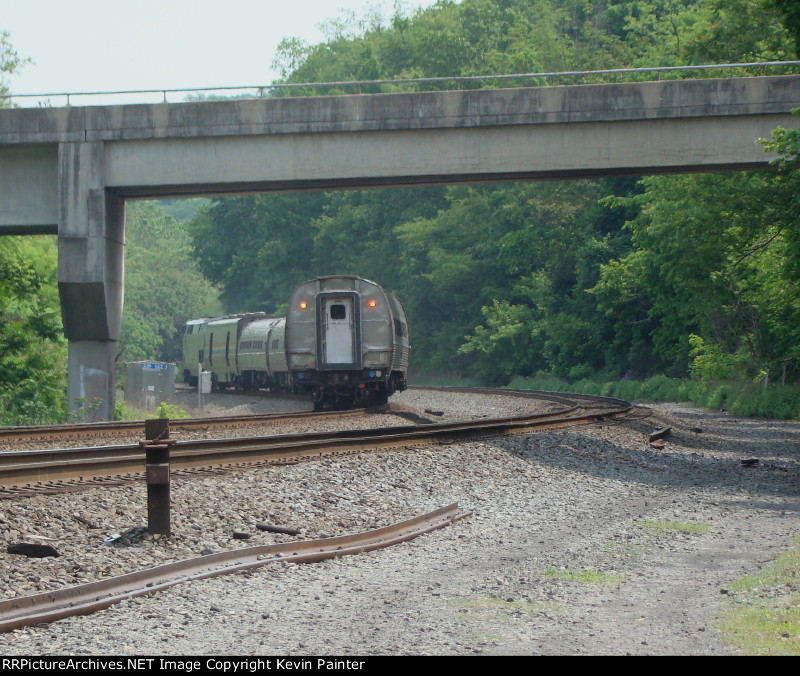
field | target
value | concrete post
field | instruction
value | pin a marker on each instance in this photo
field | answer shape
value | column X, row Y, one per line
column 91, row 259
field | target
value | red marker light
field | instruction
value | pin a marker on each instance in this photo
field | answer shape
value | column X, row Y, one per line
column 373, row 303
column 303, row 305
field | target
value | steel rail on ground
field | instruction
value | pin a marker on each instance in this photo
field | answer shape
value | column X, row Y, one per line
column 87, row 598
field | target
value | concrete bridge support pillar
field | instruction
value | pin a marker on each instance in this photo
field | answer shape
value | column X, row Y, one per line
column 91, row 259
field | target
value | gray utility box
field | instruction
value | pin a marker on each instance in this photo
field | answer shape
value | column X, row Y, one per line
column 149, row 383
column 205, row 382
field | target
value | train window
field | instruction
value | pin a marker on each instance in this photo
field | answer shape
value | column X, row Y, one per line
column 211, row 349
column 338, row 312
column 228, row 349
column 275, row 344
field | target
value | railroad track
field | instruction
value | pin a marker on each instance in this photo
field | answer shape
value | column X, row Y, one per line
column 56, row 470
column 44, row 433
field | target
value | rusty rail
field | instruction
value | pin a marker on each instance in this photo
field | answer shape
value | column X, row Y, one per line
column 47, row 432
column 87, row 598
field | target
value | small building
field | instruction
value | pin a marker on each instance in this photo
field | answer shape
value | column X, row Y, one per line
column 148, row 384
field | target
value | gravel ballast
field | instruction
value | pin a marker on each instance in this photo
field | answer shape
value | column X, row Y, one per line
column 578, row 544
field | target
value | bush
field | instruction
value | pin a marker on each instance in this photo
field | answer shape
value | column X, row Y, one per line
column 739, row 398
column 167, row 410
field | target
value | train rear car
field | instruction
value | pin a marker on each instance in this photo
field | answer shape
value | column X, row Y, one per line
column 346, row 342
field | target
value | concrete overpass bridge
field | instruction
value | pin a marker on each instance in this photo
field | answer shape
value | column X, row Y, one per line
column 69, row 170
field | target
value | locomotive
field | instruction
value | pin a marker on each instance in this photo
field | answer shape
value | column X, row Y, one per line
column 344, row 342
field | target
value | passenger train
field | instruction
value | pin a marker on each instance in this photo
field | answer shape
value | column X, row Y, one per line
column 344, row 342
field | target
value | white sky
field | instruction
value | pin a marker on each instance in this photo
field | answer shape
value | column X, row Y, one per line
column 112, row 45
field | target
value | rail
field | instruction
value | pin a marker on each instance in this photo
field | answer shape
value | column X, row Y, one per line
column 38, row 433
column 277, row 89
column 55, row 470
column 87, row 598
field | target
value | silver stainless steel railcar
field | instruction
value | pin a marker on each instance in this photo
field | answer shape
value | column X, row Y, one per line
column 347, row 341
column 260, row 358
column 244, row 351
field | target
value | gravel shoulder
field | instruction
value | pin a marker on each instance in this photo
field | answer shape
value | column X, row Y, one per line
column 572, row 547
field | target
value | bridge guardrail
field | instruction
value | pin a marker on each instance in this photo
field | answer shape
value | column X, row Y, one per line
column 414, row 84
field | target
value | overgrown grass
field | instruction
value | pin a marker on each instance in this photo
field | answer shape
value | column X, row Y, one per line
column 739, row 398
column 432, row 380
column 173, row 411
column 502, row 610
column 587, row 576
column 765, row 622
column 682, row 526
column 164, row 410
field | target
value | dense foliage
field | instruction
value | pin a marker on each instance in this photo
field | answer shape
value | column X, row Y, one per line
column 32, row 349
column 162, row 286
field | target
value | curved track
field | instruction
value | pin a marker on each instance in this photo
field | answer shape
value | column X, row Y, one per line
column 64, row 469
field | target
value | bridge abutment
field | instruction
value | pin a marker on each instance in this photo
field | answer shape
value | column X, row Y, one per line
column 91, row 262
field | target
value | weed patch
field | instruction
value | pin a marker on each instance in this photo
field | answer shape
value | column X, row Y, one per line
column 682, row 526
column 584, row 576
column 502, row 610
column 739, row 398
column 766, row 619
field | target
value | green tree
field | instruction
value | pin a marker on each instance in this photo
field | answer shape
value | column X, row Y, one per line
column 738, row 30
column 163, row 287
column 257, row 248
column 10, row 63
column 549, row 253
column 32, row 348
column 789, row 10
column 713, row 258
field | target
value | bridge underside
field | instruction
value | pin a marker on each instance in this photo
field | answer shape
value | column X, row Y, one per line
column 70, row 170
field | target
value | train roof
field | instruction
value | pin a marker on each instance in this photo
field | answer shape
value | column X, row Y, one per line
column 323, row 278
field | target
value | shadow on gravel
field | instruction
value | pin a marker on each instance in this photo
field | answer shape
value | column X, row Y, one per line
column 735, row 454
